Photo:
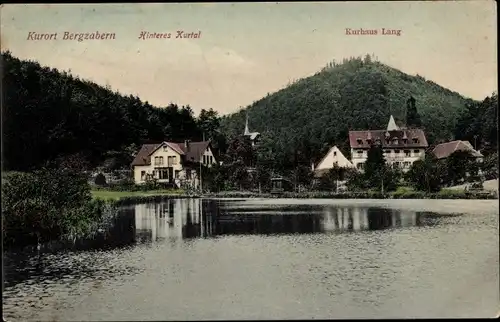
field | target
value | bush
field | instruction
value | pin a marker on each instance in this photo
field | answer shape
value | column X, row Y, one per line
column 100, row 180
column 46, row 205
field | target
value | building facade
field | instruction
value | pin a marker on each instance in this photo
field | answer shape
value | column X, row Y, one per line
column 174, row 163
column 401, row 146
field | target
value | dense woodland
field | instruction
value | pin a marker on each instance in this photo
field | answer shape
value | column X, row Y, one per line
column 314, row 113
column 49, row 116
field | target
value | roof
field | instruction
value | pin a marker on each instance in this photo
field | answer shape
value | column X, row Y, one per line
column 252, row 135
column 444, row 150
column 192, row 154
column 388, row 139
column 392, row 124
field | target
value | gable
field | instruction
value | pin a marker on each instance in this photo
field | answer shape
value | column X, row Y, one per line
column 333, row 155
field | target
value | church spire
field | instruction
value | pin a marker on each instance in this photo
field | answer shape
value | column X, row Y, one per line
column 392, row 125
column 247, row 131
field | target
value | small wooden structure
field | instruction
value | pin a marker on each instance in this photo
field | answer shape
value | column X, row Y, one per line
column 280, row 185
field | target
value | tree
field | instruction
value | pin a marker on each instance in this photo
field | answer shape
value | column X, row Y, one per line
column 412, row 116
column 375, row 167
column 424, row 174
column 100, row 180
column 489, row 167
column 458, row 166
column 330, row 180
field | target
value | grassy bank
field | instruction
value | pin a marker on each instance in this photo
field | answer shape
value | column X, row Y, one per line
column 134, row 197
column 115, row 195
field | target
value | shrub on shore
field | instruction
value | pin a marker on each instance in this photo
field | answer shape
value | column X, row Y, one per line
column 47, row 204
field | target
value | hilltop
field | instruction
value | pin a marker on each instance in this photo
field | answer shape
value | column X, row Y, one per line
column 315, row 112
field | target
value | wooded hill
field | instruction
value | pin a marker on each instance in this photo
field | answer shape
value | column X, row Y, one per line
column 310, row 115
column 48, row 115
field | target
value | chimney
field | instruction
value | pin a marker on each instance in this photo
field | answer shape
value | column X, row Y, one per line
column 186, row 143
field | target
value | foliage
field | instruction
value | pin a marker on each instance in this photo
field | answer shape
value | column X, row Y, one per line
column 330, row 180
column 479, row 124
column 66, row 115
column 412, row 116
column 100, row 180
column 459, row 167
column 375, row 167
column 47, row 204
column 424, row 174
column 316, row 112
column 489, row 167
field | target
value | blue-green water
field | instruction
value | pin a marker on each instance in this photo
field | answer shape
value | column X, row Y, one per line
column 272, row 259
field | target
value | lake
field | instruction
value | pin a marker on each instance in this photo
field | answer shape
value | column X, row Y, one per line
column 192, row 259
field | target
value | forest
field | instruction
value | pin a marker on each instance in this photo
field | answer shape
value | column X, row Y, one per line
column 51, row 115
column 314, row 113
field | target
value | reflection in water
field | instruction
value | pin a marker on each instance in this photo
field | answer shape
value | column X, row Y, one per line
column 232, row 260
column 188, row 218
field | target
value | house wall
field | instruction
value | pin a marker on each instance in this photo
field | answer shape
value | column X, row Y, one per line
column 179, row 172
column 334, row 156
column 209, row 158
column 404, row 159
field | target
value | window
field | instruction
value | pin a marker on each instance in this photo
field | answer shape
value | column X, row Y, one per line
column 163, row 174
column 387, row 151
column 416, row 151
column 177, row 174
column 360, row 141
column 158, row 160
column 204, row 159
column 360, row 152
column 396, row 151
column 143, row 175
column 360, row 165
column 171, row 161
column 396, row 164
column 405, row 141
column 407, row 153
column 334, row 153
column 211, row 159
column 407, row 164
column 395, row 141
column 415, row 140
column 165, row 148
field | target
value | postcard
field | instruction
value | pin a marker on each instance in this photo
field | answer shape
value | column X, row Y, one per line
column 249, row 161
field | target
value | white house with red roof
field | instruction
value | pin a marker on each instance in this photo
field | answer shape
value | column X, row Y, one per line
column 174, row 163
column 402, row 146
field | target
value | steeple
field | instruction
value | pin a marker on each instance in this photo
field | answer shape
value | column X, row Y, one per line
column 247, row 131
column 392, row 125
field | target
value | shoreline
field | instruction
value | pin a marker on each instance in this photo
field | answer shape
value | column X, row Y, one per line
column 412, row 195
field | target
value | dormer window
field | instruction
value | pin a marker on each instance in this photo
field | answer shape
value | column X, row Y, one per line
column 359, row 141
column 405, row 141
column 395, row 141
column 415, row 140
column 369, row 141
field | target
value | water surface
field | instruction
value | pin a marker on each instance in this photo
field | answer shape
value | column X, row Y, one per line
column 272, row 259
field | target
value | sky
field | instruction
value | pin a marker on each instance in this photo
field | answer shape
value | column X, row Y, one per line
column 247, row 50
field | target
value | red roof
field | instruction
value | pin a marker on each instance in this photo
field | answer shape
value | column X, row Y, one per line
column 444, row 150
column 193, row 153
column 403, row 138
